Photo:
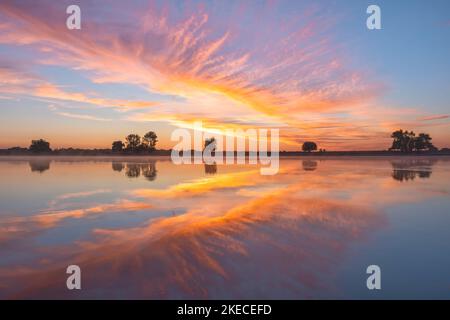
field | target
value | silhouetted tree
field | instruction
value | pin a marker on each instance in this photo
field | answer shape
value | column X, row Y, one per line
column 399, row 141
column 117, row 146
column 406, row 141
column 40, row 146
column 149, row 141
column 423, row 142
column 403, row 140
column 309, row 146
column 133, row 141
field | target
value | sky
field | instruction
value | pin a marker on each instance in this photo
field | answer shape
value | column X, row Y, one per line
column 312, row 69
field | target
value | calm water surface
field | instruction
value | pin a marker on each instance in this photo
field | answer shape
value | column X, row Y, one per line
column 145, row 228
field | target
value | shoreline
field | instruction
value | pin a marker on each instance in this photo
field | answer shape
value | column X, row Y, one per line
column 291, row 155
column 166, row 153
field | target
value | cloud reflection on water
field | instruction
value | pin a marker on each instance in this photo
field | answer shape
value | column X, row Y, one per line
column 236, row 234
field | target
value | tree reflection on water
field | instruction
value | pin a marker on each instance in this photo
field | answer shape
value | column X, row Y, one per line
column 135, row 170
column 409, row 169
column 39, row 165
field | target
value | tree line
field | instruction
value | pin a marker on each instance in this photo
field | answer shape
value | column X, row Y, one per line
column 135, row 144
column 403, row 141
column 407, row 141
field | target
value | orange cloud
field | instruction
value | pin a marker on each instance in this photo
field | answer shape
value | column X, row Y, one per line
column 48, row 219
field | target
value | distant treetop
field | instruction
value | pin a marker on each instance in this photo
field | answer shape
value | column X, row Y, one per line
column 407, row 141
column 309, row 146
column 40, row 146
